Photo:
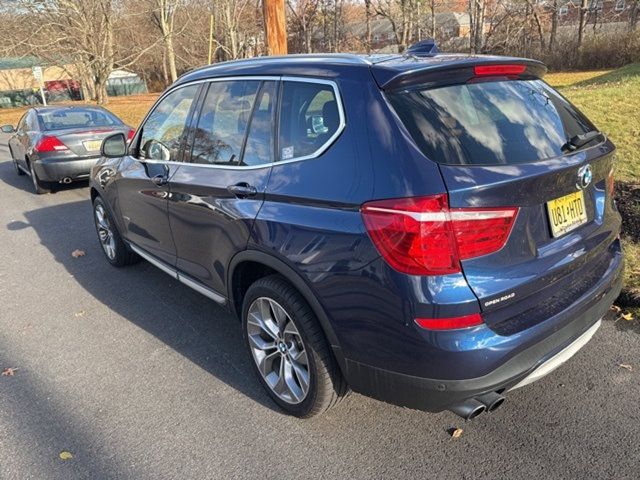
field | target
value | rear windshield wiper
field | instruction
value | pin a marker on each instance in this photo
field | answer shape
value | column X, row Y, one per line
column 581, row 140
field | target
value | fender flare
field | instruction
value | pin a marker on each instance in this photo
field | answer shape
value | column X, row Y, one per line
column 296, row 280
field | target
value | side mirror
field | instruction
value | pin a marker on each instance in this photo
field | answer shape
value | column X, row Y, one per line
column 7, row 129
column 114, row 146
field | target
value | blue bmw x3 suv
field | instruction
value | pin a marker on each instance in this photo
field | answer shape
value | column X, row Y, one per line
column 430, row 230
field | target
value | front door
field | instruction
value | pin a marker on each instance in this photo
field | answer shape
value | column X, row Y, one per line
column 217, row 193
column 143, row 180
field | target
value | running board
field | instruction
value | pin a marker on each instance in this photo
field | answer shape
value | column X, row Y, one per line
column 197, row 286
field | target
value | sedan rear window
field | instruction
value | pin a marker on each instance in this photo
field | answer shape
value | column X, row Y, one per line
column 485, row 123
column 77, row 118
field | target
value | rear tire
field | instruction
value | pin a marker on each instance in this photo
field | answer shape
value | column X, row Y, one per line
column 15, row 163
column 39, row 186
column 113, row 247
column 17, row 168
column 289, row 351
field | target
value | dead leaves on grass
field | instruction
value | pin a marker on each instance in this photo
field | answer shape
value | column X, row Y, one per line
column 628, row 316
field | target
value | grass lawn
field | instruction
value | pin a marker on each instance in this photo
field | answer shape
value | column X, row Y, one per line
column 610, row 98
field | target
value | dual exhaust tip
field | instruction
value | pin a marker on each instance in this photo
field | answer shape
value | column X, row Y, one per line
column 471, row 408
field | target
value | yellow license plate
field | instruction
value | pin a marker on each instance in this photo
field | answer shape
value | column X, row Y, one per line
column 566, row 213
column 92, row 145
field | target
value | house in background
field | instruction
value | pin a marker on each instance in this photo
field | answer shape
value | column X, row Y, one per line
column 19, row 87
column 599, row 12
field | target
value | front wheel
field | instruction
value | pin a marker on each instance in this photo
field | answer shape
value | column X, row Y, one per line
column 117, row 253
column 290, row 354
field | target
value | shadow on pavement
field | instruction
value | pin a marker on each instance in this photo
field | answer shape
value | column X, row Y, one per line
column 189, row 323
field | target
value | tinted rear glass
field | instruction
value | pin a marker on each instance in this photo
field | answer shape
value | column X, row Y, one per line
column 77, row 118
column 502, row 122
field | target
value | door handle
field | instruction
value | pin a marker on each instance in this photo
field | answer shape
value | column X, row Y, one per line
column 160, row 180
column 243, row 190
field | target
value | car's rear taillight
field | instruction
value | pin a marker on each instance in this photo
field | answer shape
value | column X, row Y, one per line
column 450, row 323
column 130, row 135
column 49, row 143
column 423, row 236
column 486, row 70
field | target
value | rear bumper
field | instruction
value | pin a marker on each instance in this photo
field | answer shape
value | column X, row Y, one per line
column 54, row 170
column 440, row 394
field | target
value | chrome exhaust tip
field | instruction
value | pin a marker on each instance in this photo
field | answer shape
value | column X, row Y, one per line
column 469, row 409
column 491, row 400
column 66, row 180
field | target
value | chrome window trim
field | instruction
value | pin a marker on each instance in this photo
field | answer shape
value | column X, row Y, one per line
column 316, row 154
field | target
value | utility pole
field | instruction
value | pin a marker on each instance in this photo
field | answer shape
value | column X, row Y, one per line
column 275, row 26
column 210, row 39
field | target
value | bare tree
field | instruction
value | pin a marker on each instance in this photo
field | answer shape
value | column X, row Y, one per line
column 584, row 8
column 476, row 25
column 399, row 13
column 367, row 8
column 304, row 18
column 164, row 14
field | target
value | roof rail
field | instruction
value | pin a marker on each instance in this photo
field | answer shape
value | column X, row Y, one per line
column 423, row 48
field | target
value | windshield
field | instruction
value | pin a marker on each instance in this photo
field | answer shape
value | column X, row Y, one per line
column 77, row 118
column 495, row 122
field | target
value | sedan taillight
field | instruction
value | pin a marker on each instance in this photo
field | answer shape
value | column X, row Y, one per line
column 423, row 236
column 50, row 143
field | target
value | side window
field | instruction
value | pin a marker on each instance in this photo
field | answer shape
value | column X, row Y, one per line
column 309, row 117
column 222, row 123
column 259, row 147
column 32, row 122
column 22, row 124
column 162, row 132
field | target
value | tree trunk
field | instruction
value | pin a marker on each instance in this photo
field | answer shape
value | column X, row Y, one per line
column 433, row 19
column 536, row 18
column 171, row 57
column 582, row 21
column 367, row 9
column 554, row 26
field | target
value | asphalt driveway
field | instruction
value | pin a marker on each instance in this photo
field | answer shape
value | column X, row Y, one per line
column 139, row 377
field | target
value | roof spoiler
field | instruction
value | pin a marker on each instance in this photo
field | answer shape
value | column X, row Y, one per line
column 417, row 70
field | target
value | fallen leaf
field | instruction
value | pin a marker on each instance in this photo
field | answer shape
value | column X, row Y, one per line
column 9, row 372
column 616, row 308
column 627, row 316
column 77, row 253
column 79, row 314
column 626, row 366
column 456, row 433
column 64, row 455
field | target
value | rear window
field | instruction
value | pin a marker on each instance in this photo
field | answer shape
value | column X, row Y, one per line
column 501, row 122
column 77, row 118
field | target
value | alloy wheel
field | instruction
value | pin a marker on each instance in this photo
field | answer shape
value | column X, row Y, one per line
column 278, row 350
column 105, row 233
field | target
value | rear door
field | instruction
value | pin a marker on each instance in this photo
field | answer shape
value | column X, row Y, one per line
column 144, row 174
column 506, row 143
column 217, row 193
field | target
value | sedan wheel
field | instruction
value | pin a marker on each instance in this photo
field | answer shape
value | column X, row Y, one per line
column 278, row 350
column 37, row 184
